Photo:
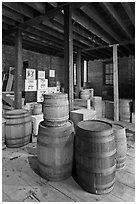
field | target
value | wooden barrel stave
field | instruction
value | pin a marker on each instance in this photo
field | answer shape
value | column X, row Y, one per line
column 55, row 151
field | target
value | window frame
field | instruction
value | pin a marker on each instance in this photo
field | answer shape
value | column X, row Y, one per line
column 110, row 73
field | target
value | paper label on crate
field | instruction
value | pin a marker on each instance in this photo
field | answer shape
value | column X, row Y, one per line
column 30, row 85
column 40, row 94
column 41, row 74
column 42, row 84
column 30, row 73
column 51, row 73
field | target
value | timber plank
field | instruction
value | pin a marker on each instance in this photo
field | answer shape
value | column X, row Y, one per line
column 124, row 192
column 27, row 184
column 73, row 190
column 125, row 178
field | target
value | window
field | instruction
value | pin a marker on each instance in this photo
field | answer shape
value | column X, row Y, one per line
column 75, row 74
column 108, row 73
column 85, row 70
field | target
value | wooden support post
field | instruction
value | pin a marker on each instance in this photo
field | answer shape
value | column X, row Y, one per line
column 115, row 84
column 18, row 70
column 68, row 55
column 78, row 72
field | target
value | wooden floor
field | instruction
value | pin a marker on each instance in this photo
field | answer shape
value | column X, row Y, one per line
column 21, row 182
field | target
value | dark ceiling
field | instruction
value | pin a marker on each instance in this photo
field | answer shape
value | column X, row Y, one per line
column 96, row 26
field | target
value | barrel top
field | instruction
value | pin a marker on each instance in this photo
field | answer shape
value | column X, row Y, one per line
column 55, row 95
column 94, row 125
column 117, row 126
column 16, row 112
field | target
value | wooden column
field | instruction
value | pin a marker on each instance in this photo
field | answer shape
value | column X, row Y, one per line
column 68, row 54
column 115, row 84
column 18, row 70
column 78, row 72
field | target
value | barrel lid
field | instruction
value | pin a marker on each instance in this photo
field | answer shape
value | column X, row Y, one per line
column 117, row 126
column 55, row 95
column 94, row 125
column 16, row 112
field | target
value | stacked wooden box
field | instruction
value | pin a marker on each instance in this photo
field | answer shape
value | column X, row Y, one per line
column 30, row 88
column 42, row 87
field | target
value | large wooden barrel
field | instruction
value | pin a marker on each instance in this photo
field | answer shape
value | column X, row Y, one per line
column 37, row 109
column 55, row 109
column 3, row 131
column 124, row 109
column 121, row 145
column 55, row 151
column 95, row 156
column 18, row 128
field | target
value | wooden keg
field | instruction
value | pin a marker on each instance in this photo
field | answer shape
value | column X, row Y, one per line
column 3, row 131
column 85, row 94
column 55, row 151
column 55, row 109
column 121, row 145
column 95, row 156
column 124, row 109
column 37, row 109
column 18, row 128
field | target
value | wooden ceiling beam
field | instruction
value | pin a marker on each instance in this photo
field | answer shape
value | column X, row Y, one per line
column 117, row 17
column 107, row 46
column 5, row 26
column 8, row 21
column 38, row 6
column 41, row 39
column 49, row 30
column 83, row 20
column 129, row 11
column 20, row 8
column 94, row 15
column 32, row 22
column 12, row 14
column 54, row 4
column 79, row 29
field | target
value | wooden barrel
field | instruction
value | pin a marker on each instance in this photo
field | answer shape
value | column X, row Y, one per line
column 121, row 145
column 85, row 94
column 95, row 156
column 37, row 109
column 124, row 109
column 3, row 131
column 55, row 151
column 18, row 128
column 55, row 109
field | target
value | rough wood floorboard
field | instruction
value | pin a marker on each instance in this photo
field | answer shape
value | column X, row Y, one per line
column 21, row 180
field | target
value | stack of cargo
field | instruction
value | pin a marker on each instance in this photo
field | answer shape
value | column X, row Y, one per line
column 30, row 89
column 42, row 87
column 55, row 138
column 37, row 117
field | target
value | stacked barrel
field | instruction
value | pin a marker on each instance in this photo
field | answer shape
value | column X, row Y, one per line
column 55, row 138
